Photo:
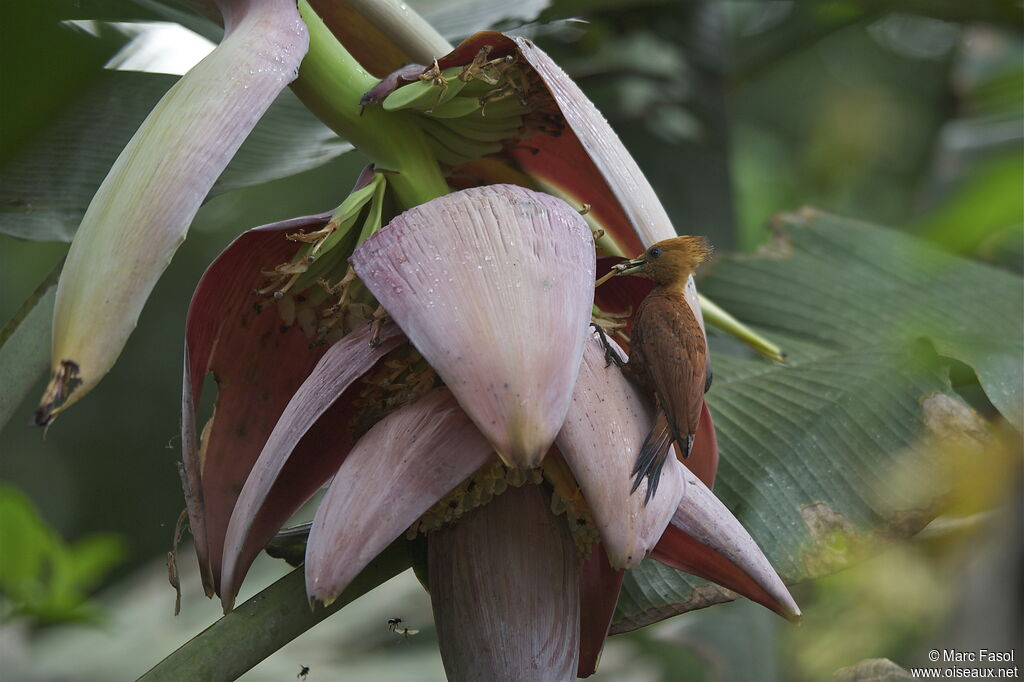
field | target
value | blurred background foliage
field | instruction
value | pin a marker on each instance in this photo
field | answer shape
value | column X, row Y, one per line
column 908, row 113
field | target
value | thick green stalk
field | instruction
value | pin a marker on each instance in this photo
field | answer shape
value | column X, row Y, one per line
column 404, row 28
column 266, row 622
column 714, row 315
column 330, row 84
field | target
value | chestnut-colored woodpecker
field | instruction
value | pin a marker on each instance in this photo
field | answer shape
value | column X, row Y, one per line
column 667, row 353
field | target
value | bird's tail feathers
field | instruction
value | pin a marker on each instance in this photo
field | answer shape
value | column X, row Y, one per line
column 653, row 454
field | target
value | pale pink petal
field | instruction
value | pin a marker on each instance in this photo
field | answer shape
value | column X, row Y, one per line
column 304, row 450
column 494, row 286
column 396, row 472
column 705, row 539
column 604, row 429
column 504, row 585
column 142, row 210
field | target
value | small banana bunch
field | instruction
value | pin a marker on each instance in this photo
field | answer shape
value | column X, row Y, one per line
column 316, row 288
column 470, row 111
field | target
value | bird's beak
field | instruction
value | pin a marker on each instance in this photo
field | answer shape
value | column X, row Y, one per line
column 631, row 267
column 627, row 267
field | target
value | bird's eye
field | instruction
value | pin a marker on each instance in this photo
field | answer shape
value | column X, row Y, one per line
column 654, row 252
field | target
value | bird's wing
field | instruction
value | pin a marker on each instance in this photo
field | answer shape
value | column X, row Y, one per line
column 674, row 356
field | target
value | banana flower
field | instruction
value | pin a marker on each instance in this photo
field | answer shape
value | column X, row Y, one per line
column 485, row 420
column 480, row 417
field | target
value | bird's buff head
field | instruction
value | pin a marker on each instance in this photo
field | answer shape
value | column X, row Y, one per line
column 668, row 262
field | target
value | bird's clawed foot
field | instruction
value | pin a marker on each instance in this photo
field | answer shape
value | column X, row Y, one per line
column 610, row 354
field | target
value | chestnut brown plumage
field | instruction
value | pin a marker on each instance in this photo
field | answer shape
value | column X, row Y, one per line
column 668, row 353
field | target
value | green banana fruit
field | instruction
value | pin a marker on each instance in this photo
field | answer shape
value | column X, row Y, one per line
column 486, row 129
column 456, row 108
column 329, row 261
column 453, row 145
column 424, row 95
column 504, row 107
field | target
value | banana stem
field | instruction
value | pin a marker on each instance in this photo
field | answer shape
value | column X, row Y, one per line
column 265, row 623
column 404, row 28
column 331, row 83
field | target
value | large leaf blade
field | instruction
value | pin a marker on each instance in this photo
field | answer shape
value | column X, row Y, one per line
column 46, row 186
column 869, row 283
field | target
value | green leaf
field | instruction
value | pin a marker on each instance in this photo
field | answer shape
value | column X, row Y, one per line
column 847, row 284
column 985, row 207
column 975, row 206
column 40, row 576
column 55, row 63
column 47, row 184
column 25, row 346
column 818, row 453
